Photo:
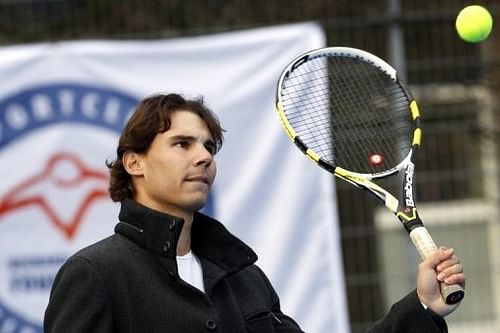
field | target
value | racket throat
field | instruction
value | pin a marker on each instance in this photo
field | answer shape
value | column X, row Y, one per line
column 410, row 219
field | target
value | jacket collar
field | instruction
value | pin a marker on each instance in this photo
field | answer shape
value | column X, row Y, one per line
column 159, row 232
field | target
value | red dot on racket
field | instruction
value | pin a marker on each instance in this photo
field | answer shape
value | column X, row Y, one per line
column 376, row 159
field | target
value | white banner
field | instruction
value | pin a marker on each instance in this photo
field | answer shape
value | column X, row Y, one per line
column 62, row 106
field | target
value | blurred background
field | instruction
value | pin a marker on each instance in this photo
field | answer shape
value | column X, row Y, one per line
column 456, row 84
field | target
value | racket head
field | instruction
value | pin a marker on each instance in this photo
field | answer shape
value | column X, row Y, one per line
column 347, row 111
column 346, row 108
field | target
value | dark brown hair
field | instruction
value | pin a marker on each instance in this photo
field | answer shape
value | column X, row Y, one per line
column 152, row 116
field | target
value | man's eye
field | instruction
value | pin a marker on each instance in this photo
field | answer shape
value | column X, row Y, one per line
column 211, row 148
column 182, row 144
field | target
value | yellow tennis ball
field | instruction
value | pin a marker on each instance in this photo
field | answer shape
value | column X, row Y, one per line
column 474, row 23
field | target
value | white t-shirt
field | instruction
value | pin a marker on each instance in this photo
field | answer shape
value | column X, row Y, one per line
column 189, row 267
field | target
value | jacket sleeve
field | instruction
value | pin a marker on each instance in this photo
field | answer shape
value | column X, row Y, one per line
column 78, row 300
column 408, row 315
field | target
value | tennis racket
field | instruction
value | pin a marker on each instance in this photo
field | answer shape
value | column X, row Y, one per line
column 347, row 111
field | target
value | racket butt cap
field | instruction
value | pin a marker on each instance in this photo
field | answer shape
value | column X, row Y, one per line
column 453, row 294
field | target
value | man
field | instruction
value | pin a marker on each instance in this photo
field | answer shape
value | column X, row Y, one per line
column 169, row 268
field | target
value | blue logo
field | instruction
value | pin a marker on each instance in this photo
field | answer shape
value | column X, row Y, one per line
column 39, row 107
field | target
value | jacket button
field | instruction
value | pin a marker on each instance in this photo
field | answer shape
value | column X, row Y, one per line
column 211, row 325
column 171, row 226
column 166, row 246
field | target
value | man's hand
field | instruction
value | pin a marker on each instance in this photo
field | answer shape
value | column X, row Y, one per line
column 442, row 266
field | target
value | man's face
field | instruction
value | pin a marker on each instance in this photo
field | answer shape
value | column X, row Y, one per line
column 178, row 169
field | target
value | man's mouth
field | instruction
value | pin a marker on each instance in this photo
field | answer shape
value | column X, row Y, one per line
column 199, row 178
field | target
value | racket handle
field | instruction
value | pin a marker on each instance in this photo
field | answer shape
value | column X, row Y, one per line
column 452, row 293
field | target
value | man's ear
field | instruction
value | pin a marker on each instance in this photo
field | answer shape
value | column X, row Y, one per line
column 132, row 162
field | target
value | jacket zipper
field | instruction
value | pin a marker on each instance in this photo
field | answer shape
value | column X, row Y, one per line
column 133, row 227
column 273, row 315
column 263, row 314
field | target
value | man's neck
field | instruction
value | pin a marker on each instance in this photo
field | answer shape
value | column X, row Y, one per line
column 184, row 242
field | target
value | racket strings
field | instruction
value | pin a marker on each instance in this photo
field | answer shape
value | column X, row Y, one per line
column 364, row 117
column 347, row 110
column 306, row 107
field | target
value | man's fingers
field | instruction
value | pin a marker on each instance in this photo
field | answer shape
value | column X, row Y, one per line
column 442, row 254
column 447, row 263
column 445, row 253
column 449, row 271
column 456, row 279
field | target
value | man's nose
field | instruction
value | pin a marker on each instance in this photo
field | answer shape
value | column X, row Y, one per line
column 204, row 156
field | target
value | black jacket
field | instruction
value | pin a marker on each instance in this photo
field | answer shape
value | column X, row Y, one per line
column 129, row 283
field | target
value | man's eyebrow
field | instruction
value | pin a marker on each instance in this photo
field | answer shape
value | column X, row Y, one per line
column 182, row 137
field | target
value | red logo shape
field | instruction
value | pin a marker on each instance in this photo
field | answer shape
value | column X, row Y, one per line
column 63, row 171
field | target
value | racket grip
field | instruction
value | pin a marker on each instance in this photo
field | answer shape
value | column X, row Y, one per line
column 452, row 293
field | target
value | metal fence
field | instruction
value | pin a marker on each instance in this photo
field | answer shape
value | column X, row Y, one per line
column 455, row 82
